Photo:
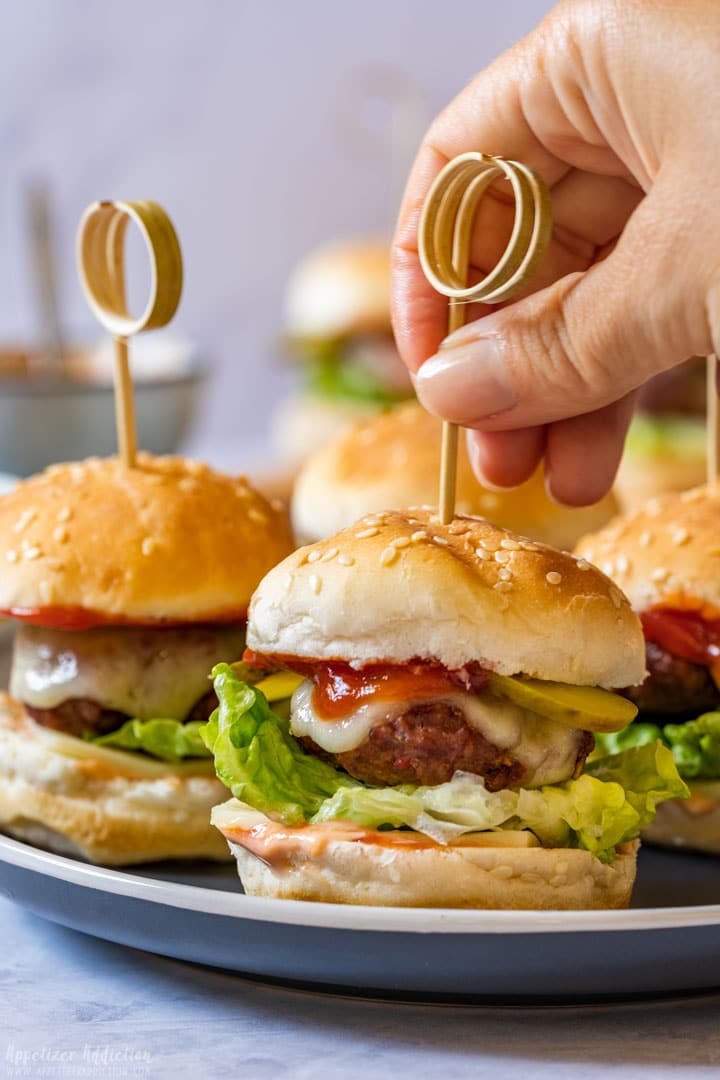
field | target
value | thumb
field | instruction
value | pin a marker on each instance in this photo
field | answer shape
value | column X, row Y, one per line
column 584, row 342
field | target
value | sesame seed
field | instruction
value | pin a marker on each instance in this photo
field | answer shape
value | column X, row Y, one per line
column 645, row 538
column 681, row 536
column 418, row 536
column 366, row 534
column 501, row 557
column 314, row 555
column 11, row 556
column 401, row 542
column 505, row 575
column 509, row 544
column 583, row 564
column 388, row 556
column 24, row 520
column 527, row 545
column 441, row 540
column 502, row 586
column 148, row 545
column 60, row 534
column 553, row 578
column 187, row 484
column 315, row 583
column 616, row 596
column 329, row 554
column 257, row 515
column 345, row 560
column 32, row 553
column 661, row 574
column 481, row 553
column 64, row 513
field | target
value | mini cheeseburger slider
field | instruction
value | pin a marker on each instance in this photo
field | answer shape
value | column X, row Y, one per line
column 394, row 460
column 127, row 586
column 665, row 446
column 667, row 559
column 337, row 325
column 446, row 682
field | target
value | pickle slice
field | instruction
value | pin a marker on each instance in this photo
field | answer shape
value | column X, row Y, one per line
column 585, row 707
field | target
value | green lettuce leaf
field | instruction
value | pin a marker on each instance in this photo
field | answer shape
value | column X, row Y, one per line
column 265, row 767
column 257, row 757
column 169, row 740
column 695, row 745
column 332, row 375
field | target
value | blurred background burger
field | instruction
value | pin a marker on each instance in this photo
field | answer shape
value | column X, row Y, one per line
column 665, row 447
column 337, row 326
column 394, row 460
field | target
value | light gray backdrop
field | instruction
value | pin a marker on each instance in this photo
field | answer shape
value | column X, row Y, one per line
column 251, row 121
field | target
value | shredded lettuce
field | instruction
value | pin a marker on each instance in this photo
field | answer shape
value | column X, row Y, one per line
column 265, row 767
column 168, row 740
column 695, row 745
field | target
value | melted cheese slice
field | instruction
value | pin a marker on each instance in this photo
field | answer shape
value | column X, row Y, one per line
column 547, row 750
column 142, row 672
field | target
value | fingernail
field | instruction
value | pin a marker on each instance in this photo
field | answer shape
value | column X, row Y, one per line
column 466, row 382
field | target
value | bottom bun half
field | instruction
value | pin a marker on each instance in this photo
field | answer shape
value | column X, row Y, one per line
column 693, row 824
column 107, row 806
column 493, row 877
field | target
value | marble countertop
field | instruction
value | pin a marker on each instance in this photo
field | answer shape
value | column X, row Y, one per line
column 73, row 1006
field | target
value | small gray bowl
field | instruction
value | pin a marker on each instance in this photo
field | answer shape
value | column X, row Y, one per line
column 47, row 420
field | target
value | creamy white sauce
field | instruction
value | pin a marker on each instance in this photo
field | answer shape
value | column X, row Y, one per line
column 145, row 673
column 547, row 750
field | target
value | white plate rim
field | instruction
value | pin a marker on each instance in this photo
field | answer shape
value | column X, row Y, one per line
column 223, row 902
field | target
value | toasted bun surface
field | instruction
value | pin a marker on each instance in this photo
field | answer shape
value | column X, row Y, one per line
column 640, row 479
column 109, row 807
column 667, row 552
column 693, row 824
column 305, row 422
column 523, row 878
column 339, row 290
column 394, row 460
column 399, row 585
column 170, row 540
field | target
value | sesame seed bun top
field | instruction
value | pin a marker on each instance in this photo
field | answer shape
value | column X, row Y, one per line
column 667, row 552
column 399, row 585
column 394, row 460
column 339, row 290
column 168, row 541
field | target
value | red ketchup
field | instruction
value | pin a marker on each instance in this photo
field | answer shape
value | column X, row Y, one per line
column 340, row 688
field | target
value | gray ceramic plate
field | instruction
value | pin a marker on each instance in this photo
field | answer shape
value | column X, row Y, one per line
column 668, row 943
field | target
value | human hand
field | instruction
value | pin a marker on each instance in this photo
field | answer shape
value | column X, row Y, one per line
column 615, row 104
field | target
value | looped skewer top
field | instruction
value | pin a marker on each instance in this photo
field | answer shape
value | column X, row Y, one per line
column 101, row 266
column 444, row 238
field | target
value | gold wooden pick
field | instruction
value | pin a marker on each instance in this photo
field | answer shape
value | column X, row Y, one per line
column 712, row 431
column 444, row 236
column 101, row 266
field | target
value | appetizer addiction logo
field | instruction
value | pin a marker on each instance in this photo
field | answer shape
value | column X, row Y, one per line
column 106, row 1062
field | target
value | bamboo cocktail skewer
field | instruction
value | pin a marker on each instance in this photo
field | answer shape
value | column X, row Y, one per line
column 101, row 266
column 712, row 448
column 444, row 236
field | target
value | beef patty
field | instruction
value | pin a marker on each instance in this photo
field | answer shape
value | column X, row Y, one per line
column 428, row 744
column 674, row 687
column 81, row 716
